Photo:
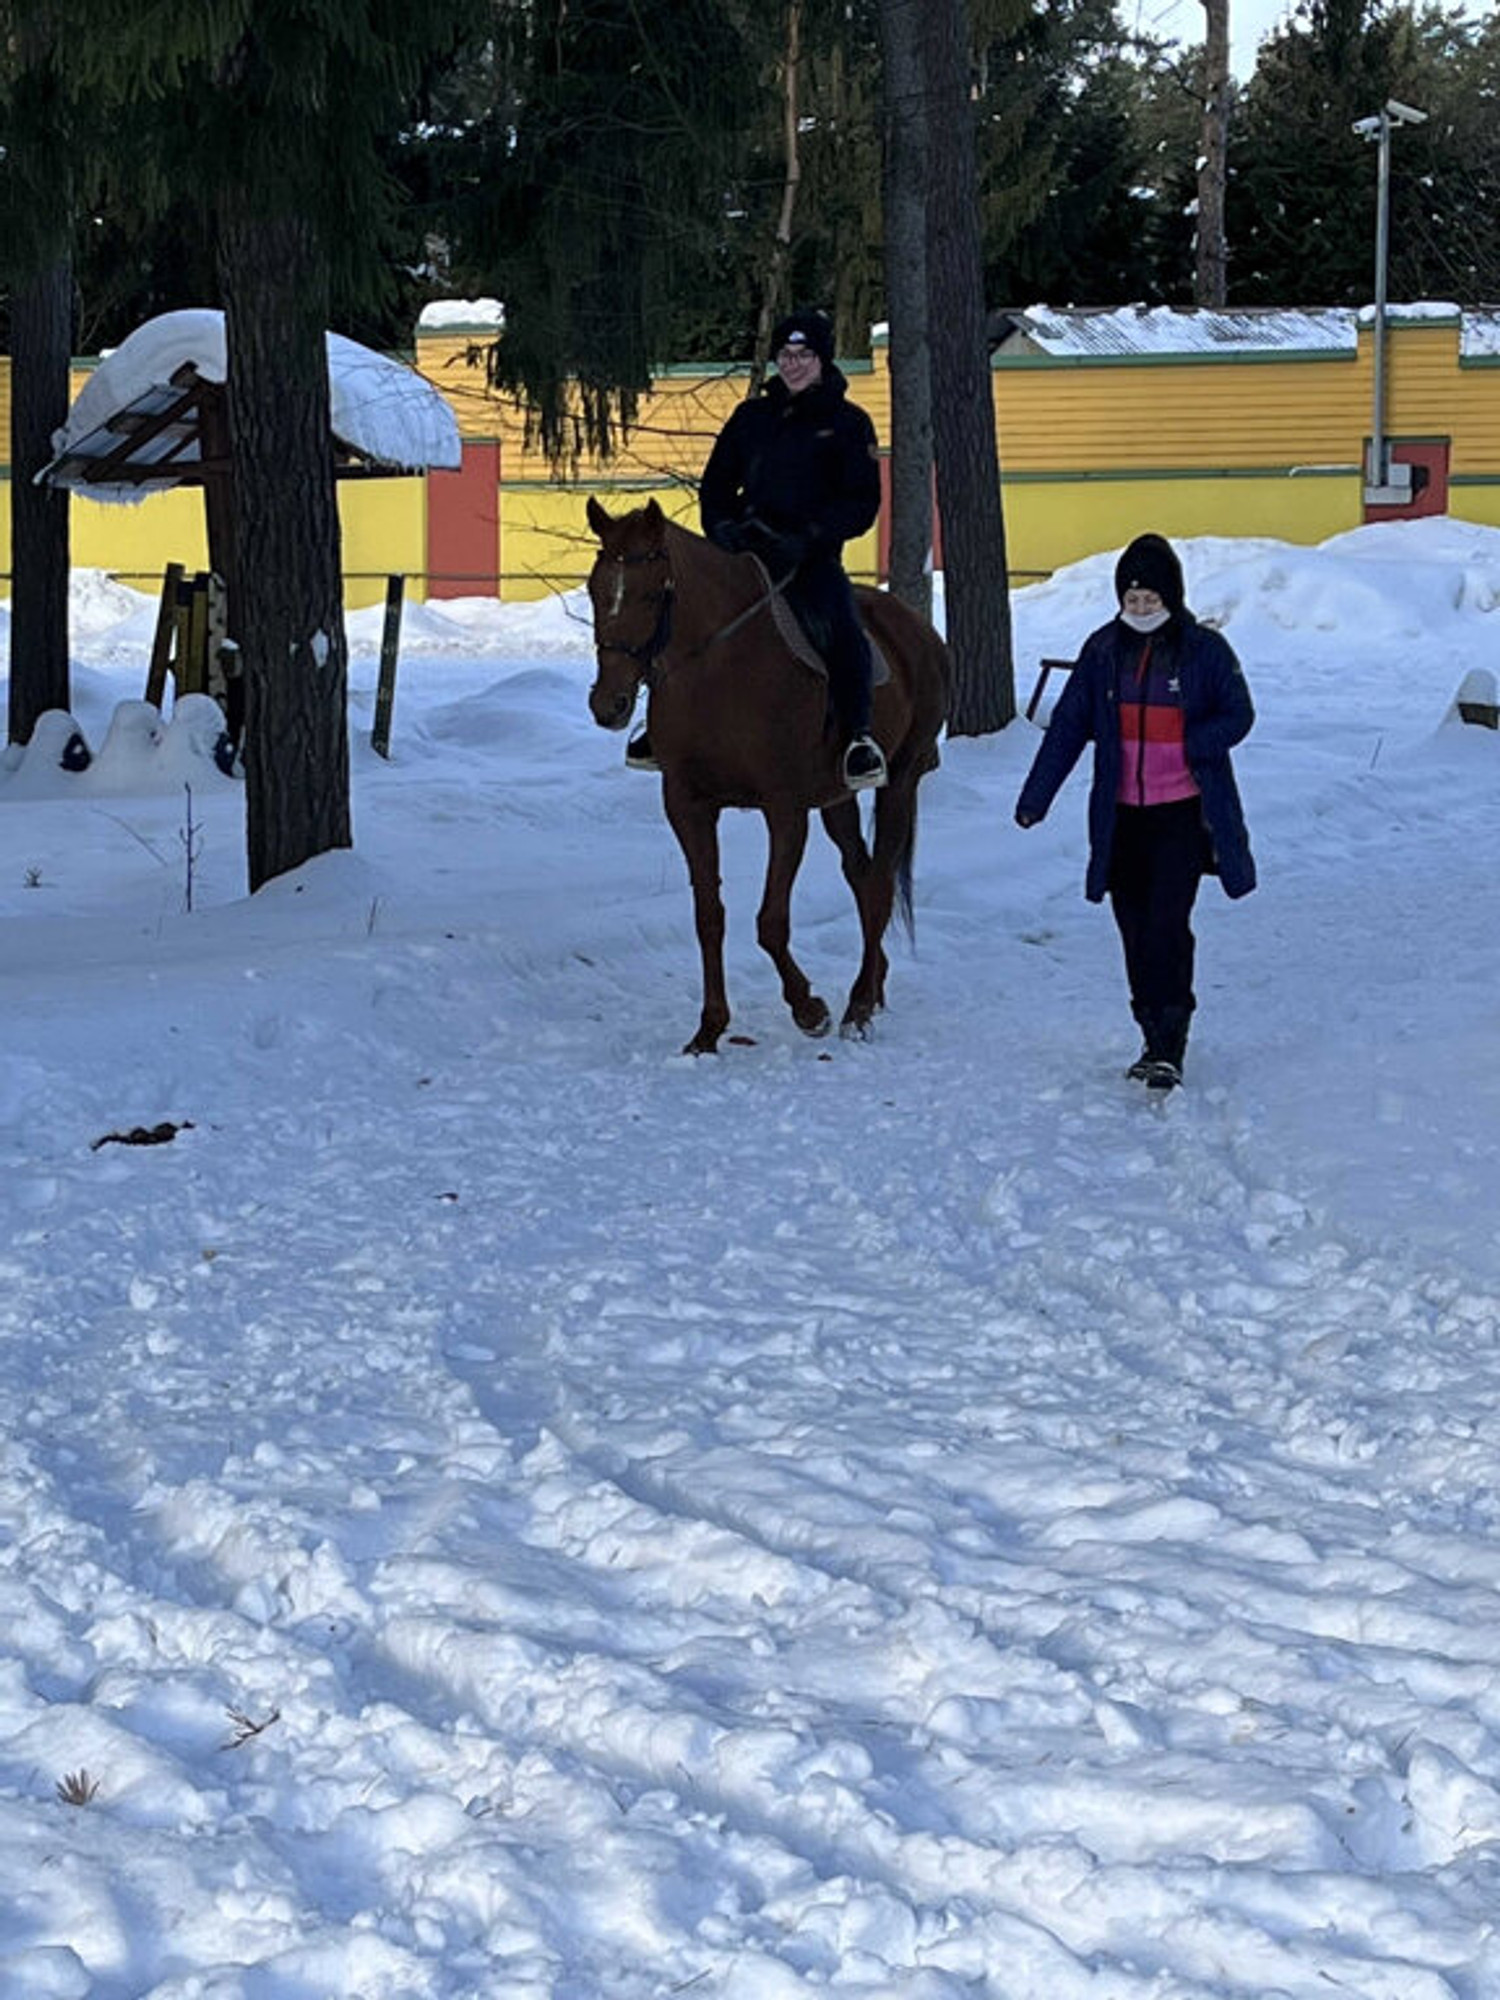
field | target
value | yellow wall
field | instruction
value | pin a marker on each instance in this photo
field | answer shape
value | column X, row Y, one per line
column 1192, row 444
column 1052, row 522
column 384, row 525
column 1190, row 412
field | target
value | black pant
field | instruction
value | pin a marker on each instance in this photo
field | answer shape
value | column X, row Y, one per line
column 1156, row 864
column 823, row 599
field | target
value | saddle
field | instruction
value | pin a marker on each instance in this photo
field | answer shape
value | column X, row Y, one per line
column 807, row 645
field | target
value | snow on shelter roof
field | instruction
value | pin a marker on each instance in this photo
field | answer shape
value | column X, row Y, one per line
column 382, row 413
column 1106, row 332
column 1095, row 332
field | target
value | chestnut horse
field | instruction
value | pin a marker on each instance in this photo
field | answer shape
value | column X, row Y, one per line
column 736, row 719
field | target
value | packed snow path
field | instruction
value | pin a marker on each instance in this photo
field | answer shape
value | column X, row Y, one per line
column 500, row 1509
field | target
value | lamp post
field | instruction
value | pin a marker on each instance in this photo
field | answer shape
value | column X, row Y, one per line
column 1381, row 487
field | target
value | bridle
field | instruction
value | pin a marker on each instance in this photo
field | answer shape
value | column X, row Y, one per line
column 647, row 651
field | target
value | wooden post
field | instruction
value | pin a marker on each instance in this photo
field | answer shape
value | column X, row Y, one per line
column 182, row 614
column 385, row 696
column 161, row 644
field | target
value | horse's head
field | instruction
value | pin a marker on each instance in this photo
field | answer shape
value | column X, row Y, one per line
column 631, row 589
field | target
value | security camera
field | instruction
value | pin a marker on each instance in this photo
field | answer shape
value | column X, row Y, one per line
column 1367, row 128
column 1403, row 113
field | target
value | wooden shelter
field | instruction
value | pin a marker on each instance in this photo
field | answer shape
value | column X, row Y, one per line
column 154, row 414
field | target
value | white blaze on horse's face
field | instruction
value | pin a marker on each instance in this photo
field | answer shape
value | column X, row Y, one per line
column 617, row 592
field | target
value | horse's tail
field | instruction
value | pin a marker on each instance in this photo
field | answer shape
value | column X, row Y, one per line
column 904, row 860
column 905, row 902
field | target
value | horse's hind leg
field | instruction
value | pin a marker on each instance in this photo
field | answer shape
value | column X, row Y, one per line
column 872, row 878
column 787, row 831
column 697, row 828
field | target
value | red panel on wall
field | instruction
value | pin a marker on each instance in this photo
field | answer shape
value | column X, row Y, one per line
column 883, row 525
column 1429, row 459
column 463, row 526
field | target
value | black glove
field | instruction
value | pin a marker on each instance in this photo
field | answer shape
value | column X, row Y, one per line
column 729, row 536
column 783, row 551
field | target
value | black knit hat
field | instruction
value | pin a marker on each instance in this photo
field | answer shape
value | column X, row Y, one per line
column 1150, row 563
column 810, row 328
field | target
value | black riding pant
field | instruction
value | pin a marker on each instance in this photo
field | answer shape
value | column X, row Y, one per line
column 823, row 599
column 1156, row 863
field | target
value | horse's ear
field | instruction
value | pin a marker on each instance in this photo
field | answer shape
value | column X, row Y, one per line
column 654, row 517
column 599, row 521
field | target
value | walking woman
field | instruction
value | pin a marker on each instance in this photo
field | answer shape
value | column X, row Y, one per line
column 1163, row 701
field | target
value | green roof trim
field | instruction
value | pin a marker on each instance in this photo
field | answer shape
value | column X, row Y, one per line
column 1118, row 475
column 603, row 483
column 726, row 370
column 467, row 327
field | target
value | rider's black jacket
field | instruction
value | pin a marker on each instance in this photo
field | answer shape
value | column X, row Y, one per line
column 805, row 464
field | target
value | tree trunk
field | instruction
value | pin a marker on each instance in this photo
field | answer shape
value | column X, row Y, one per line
column 904, row 175
column 975, row 580
column 1211, row 268
column 289, row 593
column 41, row 327
column 773, row 285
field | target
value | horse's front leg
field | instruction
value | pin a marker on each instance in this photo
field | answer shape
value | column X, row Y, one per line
column 696, row 825
column 787, row 829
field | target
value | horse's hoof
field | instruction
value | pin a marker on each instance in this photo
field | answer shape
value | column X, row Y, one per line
column 701, row 1045
column 855, row 1027
column 814, row 1020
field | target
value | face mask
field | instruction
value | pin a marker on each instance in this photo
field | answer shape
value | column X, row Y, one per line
column 1145, row 621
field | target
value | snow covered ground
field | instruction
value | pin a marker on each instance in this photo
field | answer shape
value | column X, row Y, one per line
column 491, row 1507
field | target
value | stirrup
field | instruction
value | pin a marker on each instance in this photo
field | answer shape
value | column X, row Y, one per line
column 1162, row 1075
column 864, row 764
column 639, row 756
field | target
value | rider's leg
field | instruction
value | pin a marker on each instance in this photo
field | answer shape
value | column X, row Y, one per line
column 825, row 589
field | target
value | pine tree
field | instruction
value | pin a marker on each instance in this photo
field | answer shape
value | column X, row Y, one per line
column 976, row 583
column 36, row 171
column 595, row 196
column 269, row 123
column 1301, row 193
column 908, row 352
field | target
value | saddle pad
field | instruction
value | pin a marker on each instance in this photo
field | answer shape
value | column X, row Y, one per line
column 801, row 647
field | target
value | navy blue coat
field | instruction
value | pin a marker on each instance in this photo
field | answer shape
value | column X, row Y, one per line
column 802, row 463
column 1216, row 714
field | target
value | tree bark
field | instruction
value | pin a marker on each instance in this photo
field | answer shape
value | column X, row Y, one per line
column 41, row 322
column 774, row 283
column 904, row 175
column 289, row 592
column 976, row 583
column 1211, row 266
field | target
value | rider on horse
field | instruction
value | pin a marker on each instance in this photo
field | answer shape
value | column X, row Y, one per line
column 793, row 475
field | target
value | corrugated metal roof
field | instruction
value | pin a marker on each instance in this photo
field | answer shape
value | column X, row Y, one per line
column 1097, row 332
column 1479, row 337
column 1133, row 330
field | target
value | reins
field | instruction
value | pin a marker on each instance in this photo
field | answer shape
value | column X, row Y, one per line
column 648, row 651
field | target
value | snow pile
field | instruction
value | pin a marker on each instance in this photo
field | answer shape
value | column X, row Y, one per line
column 489, row 1506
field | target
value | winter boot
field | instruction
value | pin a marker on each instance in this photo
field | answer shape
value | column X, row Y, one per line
column 1159, row 1064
